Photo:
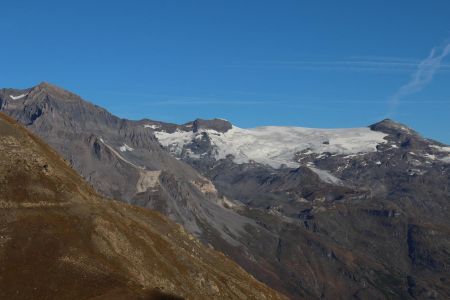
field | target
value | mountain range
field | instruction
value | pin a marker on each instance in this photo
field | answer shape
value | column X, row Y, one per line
column 61, row 240
column 359, row 213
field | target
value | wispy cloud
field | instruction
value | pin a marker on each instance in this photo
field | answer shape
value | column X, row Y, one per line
column 422, row 76
column 355, row 63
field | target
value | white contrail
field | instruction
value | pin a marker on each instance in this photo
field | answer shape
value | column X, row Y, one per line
column 420, row 78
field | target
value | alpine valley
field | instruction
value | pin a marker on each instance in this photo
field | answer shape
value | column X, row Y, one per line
column 361, row 213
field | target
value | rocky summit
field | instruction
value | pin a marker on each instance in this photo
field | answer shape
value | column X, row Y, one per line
column 359, row 213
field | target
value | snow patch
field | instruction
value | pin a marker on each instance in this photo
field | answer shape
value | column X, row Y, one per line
column 192, row 154
column 276, row 145
column 152, row 126
column 325, row 176
column 352, row 155
column 125, row 148
column 442, row 149
column 18, row 97
column 120, row 156
column 430, row 156
column 174, row 141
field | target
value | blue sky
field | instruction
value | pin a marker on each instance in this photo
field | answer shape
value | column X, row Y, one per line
column 303, row 63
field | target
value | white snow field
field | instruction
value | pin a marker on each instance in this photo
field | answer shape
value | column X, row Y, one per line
column 276, row 145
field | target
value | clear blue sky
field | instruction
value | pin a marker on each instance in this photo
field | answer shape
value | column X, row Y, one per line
column 305, row 63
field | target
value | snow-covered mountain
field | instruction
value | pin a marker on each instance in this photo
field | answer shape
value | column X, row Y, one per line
column 274, row 145
column 372, row 187
column 360, row 213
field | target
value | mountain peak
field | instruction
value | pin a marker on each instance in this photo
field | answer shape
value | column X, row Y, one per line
column 390, row 126
column 44, row 84
column 387, row 122
column 219, row 125
column 46, row 88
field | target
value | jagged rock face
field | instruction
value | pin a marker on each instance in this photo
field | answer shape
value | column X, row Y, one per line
column 115, row 155
column 218, row 125
column 338, row 191
column 60, row 240
column 319, row 214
